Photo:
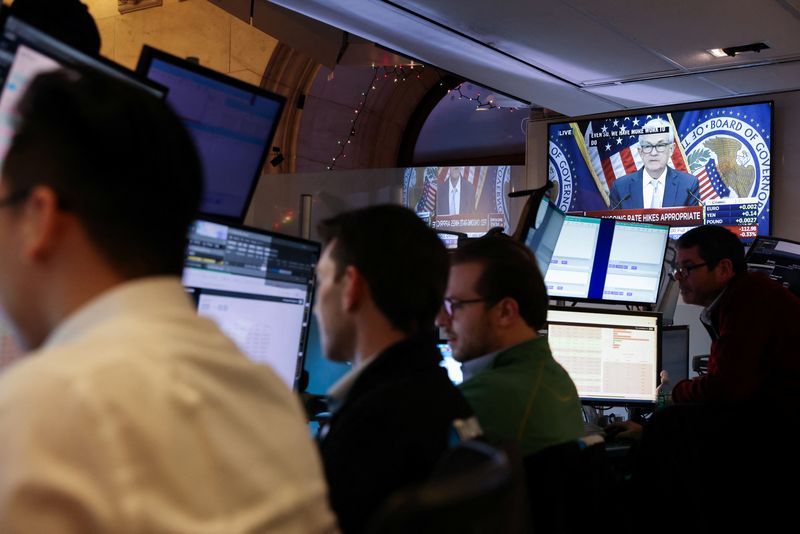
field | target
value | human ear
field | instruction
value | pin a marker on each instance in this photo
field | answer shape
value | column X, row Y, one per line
column 42, row 223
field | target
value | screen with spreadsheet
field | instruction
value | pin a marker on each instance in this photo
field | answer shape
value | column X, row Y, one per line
column 257, row 286
column 613, row 357
column 606, row 260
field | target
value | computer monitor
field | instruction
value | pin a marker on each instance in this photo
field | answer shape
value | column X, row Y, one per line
column 26, row 52
column 231, row 122
column 613, row 356
column 257, row 286
column 675, row 353
column 592, row 259
column 452, row 366
column 777, row 258
column 543, row 232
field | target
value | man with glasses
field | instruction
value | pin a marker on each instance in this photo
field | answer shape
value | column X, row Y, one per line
column 655, row 185
column 380, row 283
column 727, row 447
column 752, row 321
column 495, row 305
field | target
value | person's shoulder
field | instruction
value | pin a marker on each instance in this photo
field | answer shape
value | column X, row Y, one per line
column 758, row 285
column 685, row 176
column 628, row 178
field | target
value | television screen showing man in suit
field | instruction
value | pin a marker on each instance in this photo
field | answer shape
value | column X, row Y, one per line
column 681, row 168
column 655, row 185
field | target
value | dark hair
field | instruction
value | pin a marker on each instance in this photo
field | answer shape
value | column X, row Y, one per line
column 117, row 158
column 715, row 243
column 402, row 260
column 68, row 21
column 509, row 270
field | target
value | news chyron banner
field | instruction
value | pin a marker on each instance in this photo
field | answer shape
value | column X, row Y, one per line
column 719, row 167
column 467, row 199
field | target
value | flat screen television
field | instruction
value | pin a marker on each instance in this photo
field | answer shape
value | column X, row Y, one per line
column 231, row 122
column 595, row 259
column 778, row 258
column 257, row 286
column 613, row 356
column 718, row 167
column 466, row 200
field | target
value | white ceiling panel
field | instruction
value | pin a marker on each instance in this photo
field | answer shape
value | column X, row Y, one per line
column 581, row 57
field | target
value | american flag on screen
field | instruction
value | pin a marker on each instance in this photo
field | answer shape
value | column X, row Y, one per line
column 427, row 202
column 613, row 147
column 711, row 182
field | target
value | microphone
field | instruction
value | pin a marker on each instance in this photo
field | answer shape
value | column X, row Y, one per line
column 618, row 204
column 699, row 202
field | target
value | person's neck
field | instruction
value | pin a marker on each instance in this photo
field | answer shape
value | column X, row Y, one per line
column 73, row 285
column 657, row 175
column 372, row 339
column 515, row 336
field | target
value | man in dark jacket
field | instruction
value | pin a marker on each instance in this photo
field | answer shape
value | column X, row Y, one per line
column 751, row 319
column 708, row 452
column 381, row 281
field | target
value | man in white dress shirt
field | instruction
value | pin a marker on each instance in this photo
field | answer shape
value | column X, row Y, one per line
column 132, row 413
column 456, row 196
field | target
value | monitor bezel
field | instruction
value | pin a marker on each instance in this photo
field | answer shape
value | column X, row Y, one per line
column 602, row 401
column 149, row 54
column 678, row 108
column 312, row 288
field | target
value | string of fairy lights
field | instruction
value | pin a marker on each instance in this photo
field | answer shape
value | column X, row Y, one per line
column 398, row 74
column 480, row 103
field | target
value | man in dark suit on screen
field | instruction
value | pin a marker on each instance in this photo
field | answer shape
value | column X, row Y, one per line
column 655, row 185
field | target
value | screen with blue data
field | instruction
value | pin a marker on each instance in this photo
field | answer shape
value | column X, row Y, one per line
column 613, row 357
column 257, row 286
column 231, row 122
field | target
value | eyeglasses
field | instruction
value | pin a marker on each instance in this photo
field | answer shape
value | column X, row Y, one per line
column 451, row 304
column 679, row 273
column 647, row 148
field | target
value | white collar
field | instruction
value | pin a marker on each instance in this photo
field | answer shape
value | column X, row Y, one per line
column 135, row 295
column 475, row 366
column 661, row 177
